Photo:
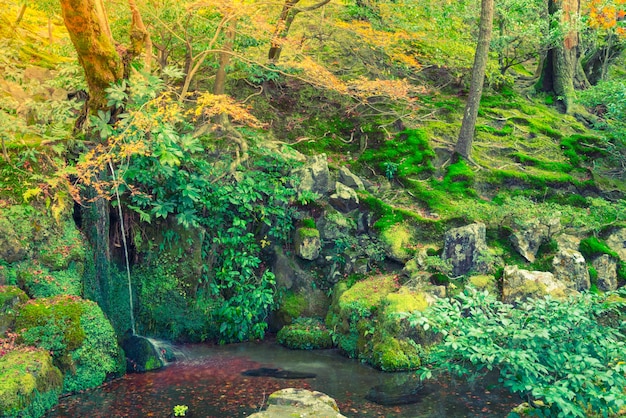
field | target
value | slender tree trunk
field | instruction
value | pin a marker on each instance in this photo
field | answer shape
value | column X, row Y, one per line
column 20, row 15
column 140, row 41
column 219, row 87
column 466, row 135
column 287, row 16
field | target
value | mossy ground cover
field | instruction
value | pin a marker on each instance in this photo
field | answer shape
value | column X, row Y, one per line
column 29, row 383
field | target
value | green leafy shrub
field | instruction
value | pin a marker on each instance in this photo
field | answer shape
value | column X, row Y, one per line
column 562, row 353
column 305, row 334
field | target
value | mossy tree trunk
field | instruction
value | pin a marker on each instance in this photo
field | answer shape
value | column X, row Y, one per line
column 466, row 135
column 88, row 26
column 562, row 70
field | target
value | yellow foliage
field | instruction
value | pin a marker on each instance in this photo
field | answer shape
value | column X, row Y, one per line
column 211, row 105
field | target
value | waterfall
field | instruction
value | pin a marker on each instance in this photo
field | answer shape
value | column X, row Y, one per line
column 130, row 289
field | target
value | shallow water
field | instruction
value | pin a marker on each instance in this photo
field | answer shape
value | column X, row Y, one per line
column 208, row 379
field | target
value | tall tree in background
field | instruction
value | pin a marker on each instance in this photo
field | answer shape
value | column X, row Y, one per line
column 466, row 135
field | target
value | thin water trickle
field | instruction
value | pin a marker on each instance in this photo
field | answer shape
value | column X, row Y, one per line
column 208, row 380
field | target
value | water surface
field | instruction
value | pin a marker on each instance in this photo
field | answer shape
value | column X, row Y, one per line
column 208, row 379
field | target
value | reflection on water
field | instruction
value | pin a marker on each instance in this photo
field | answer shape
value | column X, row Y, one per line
column 208, row 379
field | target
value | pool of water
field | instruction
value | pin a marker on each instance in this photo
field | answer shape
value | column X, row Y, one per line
column 208, row 379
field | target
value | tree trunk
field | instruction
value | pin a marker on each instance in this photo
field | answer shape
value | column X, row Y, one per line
column 88, row 26
column 560, row 68
column 466, row 135
column 287, row 16
column 140, row 41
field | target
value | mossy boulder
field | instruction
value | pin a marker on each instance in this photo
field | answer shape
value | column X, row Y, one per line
column 77, row 334
column 305, row 334
column 10, row 298
column 141, row 354
column 368, row 324
column 393, row 354
column 30, row 384
column 398, row 240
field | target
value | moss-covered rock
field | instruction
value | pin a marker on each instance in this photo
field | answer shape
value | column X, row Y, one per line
column 29, row 383
column 305, row 334
column 398, row 241
column 392, row 354
column 77, row 334
column 141, row 354
column 368, row 324
column 308, row 243
column 10, row 297
column 39, row 281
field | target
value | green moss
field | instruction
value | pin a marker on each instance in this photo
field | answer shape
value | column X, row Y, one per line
column 305, row 334
column 63, row 249
column 582, row 148
column 81, row 340
column 53, row 324
column 304, row 233
column 399, row 240
column 592, row 247
column 541, row 164
column 40, row 282
column 367, row 294
column 29, row 383
column 293, row 304
column 484, row 282
column 410, row 152
column 405, row 300
column 393, row 354
column 9, row 294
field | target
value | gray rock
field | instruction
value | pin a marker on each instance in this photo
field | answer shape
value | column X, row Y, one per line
column 344, row 199
column 570, row 267
column 606, row 266
column 349, row 179
column 568, row 242
column 528, row 240
column 308, row 243
column 314, row 176
column 283, row 268
column 617, row 242
column 519, row 285
column 463, row 248
column 292, row 402
column 334, row 225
